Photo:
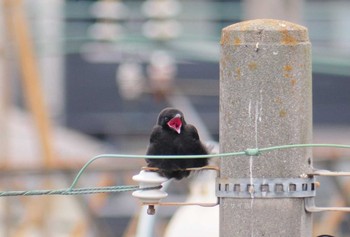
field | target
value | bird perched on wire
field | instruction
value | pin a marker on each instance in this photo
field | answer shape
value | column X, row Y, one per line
column 173, row 136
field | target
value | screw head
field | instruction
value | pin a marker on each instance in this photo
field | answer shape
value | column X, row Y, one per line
column 151, row 210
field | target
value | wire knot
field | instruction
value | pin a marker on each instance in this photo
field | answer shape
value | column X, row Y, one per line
column 252, row 152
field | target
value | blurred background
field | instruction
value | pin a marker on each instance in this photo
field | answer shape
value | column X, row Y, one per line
column 80, row 78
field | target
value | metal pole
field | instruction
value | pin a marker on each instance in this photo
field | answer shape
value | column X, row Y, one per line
column 19, row 31
column 265, row 100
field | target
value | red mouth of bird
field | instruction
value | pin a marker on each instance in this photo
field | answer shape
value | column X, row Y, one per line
column 175, row 124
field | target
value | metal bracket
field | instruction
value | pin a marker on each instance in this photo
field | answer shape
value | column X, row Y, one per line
column 328, row 173
column 311, row 207
column 154, row 199
column 310, row 202
column 266, row 188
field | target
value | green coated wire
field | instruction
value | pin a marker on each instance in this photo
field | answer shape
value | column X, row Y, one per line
column 110, row 189
column 303, row 145
column 76, row 191
column 248, row 152
column 117, row 156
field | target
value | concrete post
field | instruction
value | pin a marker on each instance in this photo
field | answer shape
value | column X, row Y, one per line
column 265, row 100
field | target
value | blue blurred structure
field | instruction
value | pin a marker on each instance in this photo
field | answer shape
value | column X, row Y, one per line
column 94, row 106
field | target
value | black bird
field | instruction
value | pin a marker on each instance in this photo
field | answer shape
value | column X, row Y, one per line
column 173, row 136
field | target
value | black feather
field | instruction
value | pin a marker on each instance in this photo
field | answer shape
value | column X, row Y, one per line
column 166, row 141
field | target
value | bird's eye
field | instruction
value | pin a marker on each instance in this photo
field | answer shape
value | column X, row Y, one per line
column 166, row 118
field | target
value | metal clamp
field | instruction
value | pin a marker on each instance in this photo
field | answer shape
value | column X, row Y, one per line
column 152, row 198
column 266, row 188
column 310, row 202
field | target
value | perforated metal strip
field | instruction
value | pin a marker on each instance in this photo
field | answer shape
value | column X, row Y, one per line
column 266, row 188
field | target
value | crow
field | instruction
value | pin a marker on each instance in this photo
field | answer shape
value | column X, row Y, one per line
column 173, row 136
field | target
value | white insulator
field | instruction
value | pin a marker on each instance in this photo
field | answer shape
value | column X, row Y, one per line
column 108, row 9
column 161, row 72
column 130, row 80
column 161, row 8
column 148, row 179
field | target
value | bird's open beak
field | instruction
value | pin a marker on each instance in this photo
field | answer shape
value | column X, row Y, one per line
column 176, row 123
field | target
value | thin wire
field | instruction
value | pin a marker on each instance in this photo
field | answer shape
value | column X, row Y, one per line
column 303, row 145
column 69, row 191
column 248, row 152
column 109, row 189
column 77, row 191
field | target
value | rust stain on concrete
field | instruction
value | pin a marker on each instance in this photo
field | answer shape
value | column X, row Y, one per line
column 238, row 74
column 283, row 113
column 287, row 39
column 237, row 41
column 287, row 68
column 252, row 66
column 293, row 82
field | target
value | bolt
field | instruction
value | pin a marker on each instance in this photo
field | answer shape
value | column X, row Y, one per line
column 303, row 176
column 151, row 210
